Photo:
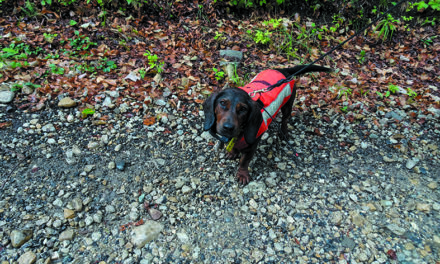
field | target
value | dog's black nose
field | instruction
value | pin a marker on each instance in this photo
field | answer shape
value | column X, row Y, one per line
column 228, row 127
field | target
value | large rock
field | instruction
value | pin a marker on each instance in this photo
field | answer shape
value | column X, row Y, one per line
column 66, row 102
column 235, row 54
column 145, row 233
column 67, row 235
column 19, row 237
column 6, row 96
column 27, row 258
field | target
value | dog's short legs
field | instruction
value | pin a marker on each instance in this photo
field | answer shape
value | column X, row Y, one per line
column 243, row 170
column 243, row 176
column 233, row 154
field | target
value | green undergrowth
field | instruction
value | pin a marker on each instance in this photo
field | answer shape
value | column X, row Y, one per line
column 355, row 12
column 337, row 15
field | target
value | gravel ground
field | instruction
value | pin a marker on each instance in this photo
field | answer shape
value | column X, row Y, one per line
column 108, row 189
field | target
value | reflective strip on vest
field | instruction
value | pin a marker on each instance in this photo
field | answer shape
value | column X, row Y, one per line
column 273, row 108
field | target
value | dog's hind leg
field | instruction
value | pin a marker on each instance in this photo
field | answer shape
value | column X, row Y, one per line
column 286, row 111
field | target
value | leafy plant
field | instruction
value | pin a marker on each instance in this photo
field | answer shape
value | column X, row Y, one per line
column 428, row 41
column 309, row 33
column 103, row 64
column 16, row 64
column 363, row 93
column 14, row 54
column 72, row 23
column 260, row 37
column 109, row 65
column 275, row 23
column 16, row 87
column 427, row 21
column 386, row 27
column 49, row 37
column 201, row 13
column 250, row 3
column 362, row 56
column 344, row 109
column 17, row 52
column 81, row 42
column 51, row 56
column 344, row 92
column 86, row 112
column 218, row 74
column 11, row 52
column 411, row 93
column 338, row 21
column 239, row 81
column 379, row 94
column 29, row 9
column 152, row 61
column 44, row 2
column 434, row 4
column 219, row 36
column 393, row 88
column 54, row 69
column 33, row 86
column 142, row 73
column 102, row 14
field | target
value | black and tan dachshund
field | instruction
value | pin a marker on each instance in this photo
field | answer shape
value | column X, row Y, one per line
column 239, row 116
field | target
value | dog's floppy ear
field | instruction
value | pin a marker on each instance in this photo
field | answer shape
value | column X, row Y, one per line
column 208, row 109
column 253, row 123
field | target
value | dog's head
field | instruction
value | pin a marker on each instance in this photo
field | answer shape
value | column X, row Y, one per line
column 231, row 113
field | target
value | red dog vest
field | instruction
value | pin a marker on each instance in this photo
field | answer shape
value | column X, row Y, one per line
column 273, row 99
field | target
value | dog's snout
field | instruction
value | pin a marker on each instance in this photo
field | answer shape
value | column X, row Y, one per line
column 228, row 127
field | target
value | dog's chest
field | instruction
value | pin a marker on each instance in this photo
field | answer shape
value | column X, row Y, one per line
column 241, row 144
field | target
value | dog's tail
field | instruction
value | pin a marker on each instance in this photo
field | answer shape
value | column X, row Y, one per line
column 313, row 68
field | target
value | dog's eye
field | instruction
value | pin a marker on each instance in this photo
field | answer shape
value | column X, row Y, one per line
column 242, row 110
column 223, row 103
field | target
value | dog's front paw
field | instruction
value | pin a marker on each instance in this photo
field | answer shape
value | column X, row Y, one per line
column 232, row 154
column 243, row 176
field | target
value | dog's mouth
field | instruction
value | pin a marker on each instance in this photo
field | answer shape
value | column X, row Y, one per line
column 226, row 134
column 229, row 133
column 222, row 138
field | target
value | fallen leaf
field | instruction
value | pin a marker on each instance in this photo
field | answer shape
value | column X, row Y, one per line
column 5, row 124
column 133, row 76
column 148, row 121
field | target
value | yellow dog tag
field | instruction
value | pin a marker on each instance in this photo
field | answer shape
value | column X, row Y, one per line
column 231, row 144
